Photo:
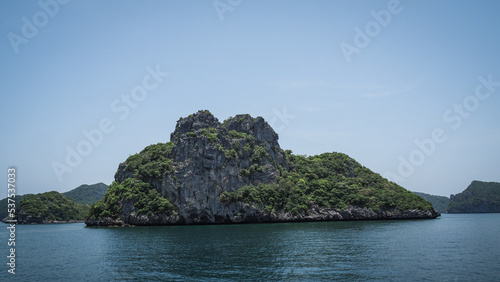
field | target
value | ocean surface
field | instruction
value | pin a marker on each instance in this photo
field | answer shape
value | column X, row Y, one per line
column 459, row 247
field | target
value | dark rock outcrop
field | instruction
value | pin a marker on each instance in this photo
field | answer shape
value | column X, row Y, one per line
column 23, row 218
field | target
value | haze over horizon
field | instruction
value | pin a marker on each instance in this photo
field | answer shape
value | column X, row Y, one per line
column 410, row 89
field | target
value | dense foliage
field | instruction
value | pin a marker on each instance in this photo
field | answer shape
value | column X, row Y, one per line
column 440, row 203
column 146, row 199
column 3, row 205
column 331, row 180
column 478, row 197
column 152, row 162
column 83, row 194
column 87, row 194
column 52, row 206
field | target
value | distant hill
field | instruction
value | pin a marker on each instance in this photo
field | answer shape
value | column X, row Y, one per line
column 479, row 197
column 87, row 194
column 49, row 207
column 440, row 203
column 83, row 194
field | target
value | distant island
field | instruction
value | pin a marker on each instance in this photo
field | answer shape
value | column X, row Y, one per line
column 235, row 172
column 440, row 203
column 479, row 197
column 55, row 207
column 49, row 207
column 87, row 194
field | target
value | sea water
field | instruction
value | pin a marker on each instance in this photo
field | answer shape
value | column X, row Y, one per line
column 459, row 247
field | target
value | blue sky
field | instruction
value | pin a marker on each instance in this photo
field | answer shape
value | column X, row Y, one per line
column 414, row 97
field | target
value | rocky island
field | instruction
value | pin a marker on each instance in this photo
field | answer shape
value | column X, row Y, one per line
column 54, row 207
column 236, row 172
column 479, row 197
column 49, row 207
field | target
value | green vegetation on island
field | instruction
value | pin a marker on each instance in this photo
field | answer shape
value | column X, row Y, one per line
column 151, row 163
column 49, row 207
column 87, row 194
column 440, row 203
column 52, row 206
column 479, row 197
column 146, row 199
column 330, row 180
column 3, row 205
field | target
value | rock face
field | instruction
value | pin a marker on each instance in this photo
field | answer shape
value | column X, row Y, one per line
column 203, row 171
column 208, row 158
column 23, row 218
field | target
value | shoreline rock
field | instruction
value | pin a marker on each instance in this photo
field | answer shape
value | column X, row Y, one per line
column 7, row 221
column 317, row 215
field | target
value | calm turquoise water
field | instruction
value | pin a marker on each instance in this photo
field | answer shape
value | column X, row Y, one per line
column 462, row 247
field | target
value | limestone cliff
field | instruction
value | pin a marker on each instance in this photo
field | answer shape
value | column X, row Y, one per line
column 213, row 172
